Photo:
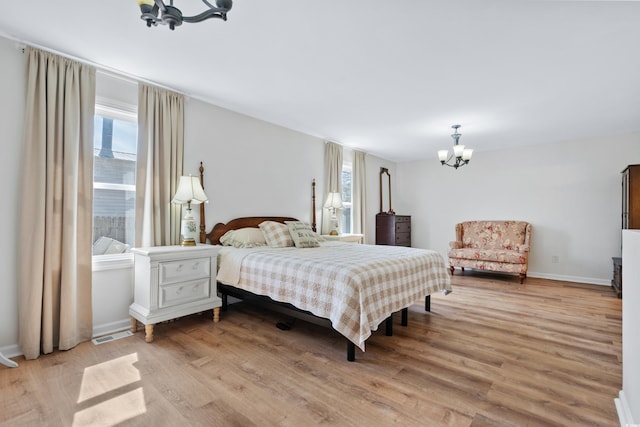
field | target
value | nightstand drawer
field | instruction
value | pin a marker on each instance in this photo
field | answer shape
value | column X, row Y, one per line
column 180, row 293
column 188, row 269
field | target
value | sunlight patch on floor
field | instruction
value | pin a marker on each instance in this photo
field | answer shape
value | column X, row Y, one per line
column 111, row 385
column 108, row 376
column 113, row 411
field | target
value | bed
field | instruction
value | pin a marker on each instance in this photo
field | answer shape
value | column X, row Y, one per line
column 351, row 287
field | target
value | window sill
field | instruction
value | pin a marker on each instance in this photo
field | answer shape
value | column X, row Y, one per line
column 112, row 262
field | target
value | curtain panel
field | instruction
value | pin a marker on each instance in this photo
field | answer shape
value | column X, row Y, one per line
column 159, row 166
column 54, row 296
column 333, row 179
column 359, row 193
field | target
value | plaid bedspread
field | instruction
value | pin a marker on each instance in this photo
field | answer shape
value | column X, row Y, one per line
column 355, row 286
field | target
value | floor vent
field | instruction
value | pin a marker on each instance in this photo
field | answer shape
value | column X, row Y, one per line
column 112, row 337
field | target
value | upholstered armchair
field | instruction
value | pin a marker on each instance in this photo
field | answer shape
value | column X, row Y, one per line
column 492, row 245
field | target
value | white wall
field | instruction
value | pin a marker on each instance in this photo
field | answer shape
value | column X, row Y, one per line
column 628, row 404
column 569, row 191
column 252, row 168
column 12, row 86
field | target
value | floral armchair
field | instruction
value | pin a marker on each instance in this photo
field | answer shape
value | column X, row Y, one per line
column 491, row 245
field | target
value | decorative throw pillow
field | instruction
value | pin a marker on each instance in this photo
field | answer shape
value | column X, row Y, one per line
column 302, row 234
column 276, row 234
column 249, row 237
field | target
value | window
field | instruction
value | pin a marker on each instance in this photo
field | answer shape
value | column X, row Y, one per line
column 346, row 198
column 114, row 180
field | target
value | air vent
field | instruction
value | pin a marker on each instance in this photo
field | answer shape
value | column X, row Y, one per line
column 112, row 337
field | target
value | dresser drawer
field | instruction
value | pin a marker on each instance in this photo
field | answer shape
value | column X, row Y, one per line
column 182, row 270
column 180, row 293
column 403, row 227
column 403, row 239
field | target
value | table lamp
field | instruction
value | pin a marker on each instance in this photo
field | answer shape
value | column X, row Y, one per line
column 334, row 201
column 189, row 191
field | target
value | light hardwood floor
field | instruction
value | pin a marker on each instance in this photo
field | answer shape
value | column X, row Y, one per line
column 491, row 353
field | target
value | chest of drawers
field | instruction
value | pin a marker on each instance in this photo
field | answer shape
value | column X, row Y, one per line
column 173, row 281
column 394, row 230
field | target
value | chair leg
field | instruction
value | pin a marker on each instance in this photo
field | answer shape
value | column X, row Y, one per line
column 451, row 268
column 522, row 277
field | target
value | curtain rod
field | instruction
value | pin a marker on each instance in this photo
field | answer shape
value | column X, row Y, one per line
column 112, row 72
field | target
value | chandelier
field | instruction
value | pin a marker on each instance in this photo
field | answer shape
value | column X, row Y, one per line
column 459, row 153
column 172, row 16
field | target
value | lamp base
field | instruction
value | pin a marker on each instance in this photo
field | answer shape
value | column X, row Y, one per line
column 188, row 242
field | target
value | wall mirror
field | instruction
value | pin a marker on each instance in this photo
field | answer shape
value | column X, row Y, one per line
column 385, row 191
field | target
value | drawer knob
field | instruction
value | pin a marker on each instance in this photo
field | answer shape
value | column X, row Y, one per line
column 195, row 265
column 179, row 290
column 179, row 268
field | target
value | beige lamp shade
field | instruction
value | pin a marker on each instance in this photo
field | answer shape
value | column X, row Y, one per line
column 334, row 200
column 189, row 191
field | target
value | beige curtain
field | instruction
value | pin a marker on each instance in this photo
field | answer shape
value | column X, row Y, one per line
column 359, row 193
column 54, row 297
column 333, row 175
column 159, row 166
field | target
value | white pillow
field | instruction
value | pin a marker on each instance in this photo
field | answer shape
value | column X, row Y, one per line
column 249, row 237
column 276, row 234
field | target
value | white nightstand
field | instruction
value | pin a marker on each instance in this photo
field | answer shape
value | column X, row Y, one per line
column 351, row 238
column 173, row 281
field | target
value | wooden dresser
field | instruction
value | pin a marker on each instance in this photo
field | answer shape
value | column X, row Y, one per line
column 393, row 230
column 631, row 197
column 630, row 216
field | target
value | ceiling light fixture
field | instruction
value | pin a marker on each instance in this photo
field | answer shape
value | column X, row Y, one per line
column 172, row 16
column 460, row 154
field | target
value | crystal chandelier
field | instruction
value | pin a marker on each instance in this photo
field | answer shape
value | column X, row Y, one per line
column 172, row 16
column 460, row 154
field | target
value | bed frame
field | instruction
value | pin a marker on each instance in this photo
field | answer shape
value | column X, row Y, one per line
column 220, row 229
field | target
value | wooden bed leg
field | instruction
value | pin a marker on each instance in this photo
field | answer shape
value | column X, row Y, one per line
column 351, row 351
column 427, row 303
column 405, row 316
column 389, row 325
column 148, row 330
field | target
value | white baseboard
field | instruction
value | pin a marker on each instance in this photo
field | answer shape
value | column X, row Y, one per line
column 624, row 411
column 576, row 279
column 112, row 327
column 11, row 351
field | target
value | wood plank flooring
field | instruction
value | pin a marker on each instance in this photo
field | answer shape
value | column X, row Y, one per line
column 492, row 353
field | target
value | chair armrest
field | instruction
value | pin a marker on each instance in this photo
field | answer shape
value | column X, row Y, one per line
column 523, row 248
column 455, row 245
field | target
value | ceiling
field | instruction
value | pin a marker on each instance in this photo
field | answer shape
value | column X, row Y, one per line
column 386, row 77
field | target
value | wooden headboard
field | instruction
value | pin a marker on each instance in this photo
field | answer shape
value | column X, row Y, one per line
column 249, row 221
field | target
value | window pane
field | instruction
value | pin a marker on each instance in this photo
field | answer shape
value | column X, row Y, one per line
column 114, row 215
column 346, row 185
column 345, row 221
column 114, row 177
